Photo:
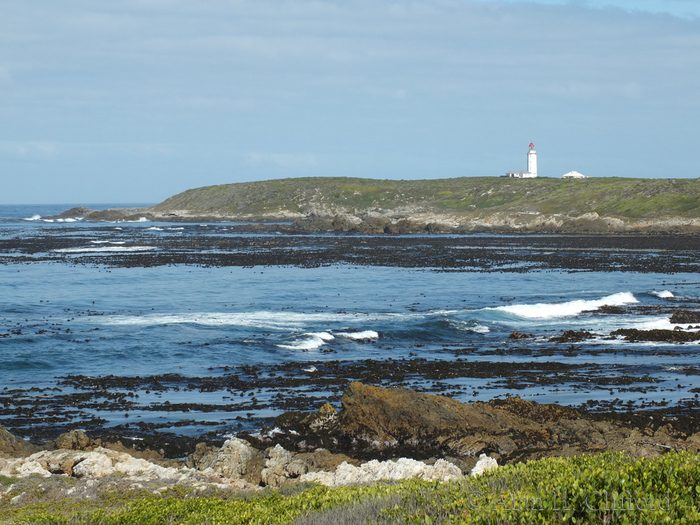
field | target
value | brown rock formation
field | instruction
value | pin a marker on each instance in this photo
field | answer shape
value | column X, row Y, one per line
column 12, row 446
column 77, row 440
column 397, row 421
column 389, row 417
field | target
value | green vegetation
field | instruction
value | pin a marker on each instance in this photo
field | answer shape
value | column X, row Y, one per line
column 606, row 488
column 6, row 481
column 612, row 197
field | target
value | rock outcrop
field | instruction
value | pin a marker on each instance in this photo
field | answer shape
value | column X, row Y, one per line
column 12, row 446
column 401, row 422
column 385, row 418
column 77, row 440
column 236, row 459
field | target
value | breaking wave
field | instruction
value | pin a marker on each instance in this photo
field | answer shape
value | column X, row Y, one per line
column 568, row 309
column 367, row 335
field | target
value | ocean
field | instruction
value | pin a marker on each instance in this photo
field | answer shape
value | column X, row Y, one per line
column 140, row 327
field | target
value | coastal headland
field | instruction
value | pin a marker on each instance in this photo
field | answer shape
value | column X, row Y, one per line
column 467, row 204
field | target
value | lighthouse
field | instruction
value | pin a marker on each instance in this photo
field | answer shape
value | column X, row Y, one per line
column 531, row 171
column 531, row 161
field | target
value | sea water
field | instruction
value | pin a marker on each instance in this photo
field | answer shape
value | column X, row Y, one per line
column 62, row 319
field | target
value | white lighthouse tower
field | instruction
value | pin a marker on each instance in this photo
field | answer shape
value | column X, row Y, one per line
column 531, row 162
column 531, row 171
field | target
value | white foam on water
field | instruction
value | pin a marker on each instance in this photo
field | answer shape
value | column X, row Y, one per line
column 366, row 335
column 480, row 329
column 103, row 249
column 662, row 323
column 34, row 217
column 322, row 335
column 306, row 343
column 287, row 321
column 568, row 309
column 653, row 323
column 293, row 321
column 108, row 242
column 47, row 220
column 155, row 228
column 663, row 294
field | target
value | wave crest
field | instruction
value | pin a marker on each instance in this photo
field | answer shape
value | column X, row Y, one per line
column 568, row 309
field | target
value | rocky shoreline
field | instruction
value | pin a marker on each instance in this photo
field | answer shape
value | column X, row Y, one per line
column 379, row 433
column 378, row 222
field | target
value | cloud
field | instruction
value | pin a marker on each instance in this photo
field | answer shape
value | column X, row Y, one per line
column 38, row 150
column 283, row 160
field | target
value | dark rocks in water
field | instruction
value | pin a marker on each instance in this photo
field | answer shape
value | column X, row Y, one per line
column 685, row 317
column 519, row 335
column 572, row 336
column 12, row 446
column 671, row 336
column 610, row 309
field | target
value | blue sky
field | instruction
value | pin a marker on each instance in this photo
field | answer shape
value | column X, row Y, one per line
column 136, row 100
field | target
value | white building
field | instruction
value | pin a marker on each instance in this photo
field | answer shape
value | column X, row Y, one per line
column 574, row 175
column 531, row 171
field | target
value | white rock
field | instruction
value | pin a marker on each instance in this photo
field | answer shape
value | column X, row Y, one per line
column 443, row 470
column 8, row 466
column 30, row 467
column 95, row 465
column 403, row 468
column 484, row 464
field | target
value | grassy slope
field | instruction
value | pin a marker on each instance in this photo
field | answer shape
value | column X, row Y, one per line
column 616, row 197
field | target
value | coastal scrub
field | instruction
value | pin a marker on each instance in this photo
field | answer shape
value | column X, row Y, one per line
column 604, row 488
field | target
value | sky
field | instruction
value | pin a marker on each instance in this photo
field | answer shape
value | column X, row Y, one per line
column 124, row 101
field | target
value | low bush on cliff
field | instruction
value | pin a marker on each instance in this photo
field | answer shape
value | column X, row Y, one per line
column 606, row 488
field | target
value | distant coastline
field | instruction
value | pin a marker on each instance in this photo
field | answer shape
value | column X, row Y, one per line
column 459, row 205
